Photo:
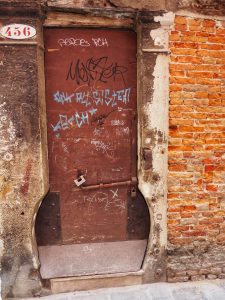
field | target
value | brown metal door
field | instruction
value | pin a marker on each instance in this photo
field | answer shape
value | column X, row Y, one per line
column 91, row 96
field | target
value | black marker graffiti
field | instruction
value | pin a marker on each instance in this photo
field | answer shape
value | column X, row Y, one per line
column 101, row 118
column 98, row 69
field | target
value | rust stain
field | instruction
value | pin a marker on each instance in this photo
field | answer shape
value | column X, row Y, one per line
column 5, row 188
column 53, row 50
column 26, row 179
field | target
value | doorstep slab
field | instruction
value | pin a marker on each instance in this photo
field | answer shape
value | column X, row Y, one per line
column 91, row 259
column 84, row 283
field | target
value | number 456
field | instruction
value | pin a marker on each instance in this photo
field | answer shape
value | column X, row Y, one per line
column 18, row 31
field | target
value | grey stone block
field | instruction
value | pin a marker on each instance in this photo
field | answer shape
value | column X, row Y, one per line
column 188, row 293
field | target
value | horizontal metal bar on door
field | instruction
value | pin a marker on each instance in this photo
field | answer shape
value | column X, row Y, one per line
column 106, row 185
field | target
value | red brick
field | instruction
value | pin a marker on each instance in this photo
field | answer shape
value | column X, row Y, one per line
column 211, row 187
column 180, row 27
column 179, row 51
column 217, row 39
column 187, row 59
column 188, row 208
column 194, row 28
column 201, row 95
column 175, row 87
column 208, row 23
column 185, row 45
column 195, row 74
column 178, row 167
column 194, row 22
column 182, row 80
column 197, row 133
column 212, row 46
column 209, row 168
column 180, row 20
column 211, row 220
column 194, row 233
column 220, row 31
column 185, row 67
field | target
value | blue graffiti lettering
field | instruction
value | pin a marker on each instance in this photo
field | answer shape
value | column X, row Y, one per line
column 80, row 120
column 93, row 111
column 83, row 98
column 98, row 97
column 56, row 127
column 63, row 122
column 62, row 97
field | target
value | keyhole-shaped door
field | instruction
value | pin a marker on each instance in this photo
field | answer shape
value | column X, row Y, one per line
column 91, row 94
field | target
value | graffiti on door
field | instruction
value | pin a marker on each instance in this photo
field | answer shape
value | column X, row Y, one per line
column 91, row 116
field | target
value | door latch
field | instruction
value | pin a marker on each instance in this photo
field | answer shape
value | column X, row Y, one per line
column 133, row 192
column 80, row 180
column 133, row 188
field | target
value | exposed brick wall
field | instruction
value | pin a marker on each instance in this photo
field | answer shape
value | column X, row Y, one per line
column 196, row 198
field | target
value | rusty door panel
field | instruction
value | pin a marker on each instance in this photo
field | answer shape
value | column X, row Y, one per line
column 47, row 226
column 97, row 215
column 92, row 119
column 138, row 223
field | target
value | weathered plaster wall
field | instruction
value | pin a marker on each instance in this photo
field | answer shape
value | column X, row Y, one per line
column 23, row 173
column 150, row 5
column 207, row 7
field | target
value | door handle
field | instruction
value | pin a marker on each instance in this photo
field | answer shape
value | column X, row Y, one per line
column 131, row 182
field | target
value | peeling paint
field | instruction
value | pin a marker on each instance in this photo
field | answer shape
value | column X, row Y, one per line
column 166, row 19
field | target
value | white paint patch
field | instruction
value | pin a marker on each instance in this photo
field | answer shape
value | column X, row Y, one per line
column 158, row 120
column 159, row 106
column 219, row 23
column 148, row 140
column 166, row 19
column 160, row 37
column 156, row 113
column 146, row 189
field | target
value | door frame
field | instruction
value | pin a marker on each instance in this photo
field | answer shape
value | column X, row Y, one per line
column 152, row 107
